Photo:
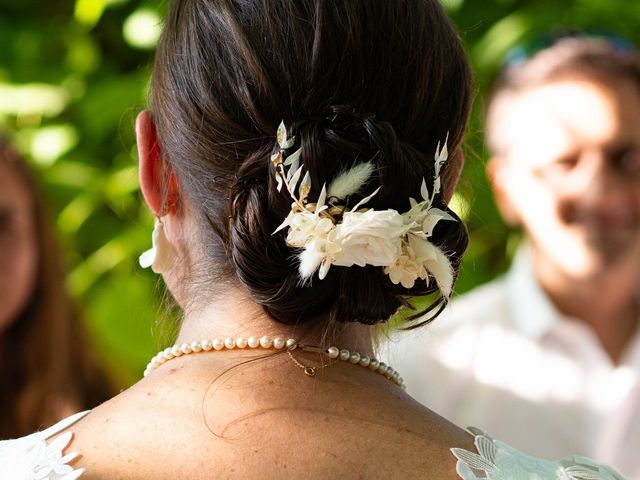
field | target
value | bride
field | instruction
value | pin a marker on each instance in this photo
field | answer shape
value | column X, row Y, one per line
column 299, row 156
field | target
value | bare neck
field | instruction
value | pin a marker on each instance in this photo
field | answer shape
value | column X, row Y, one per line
column 606, row 302
column 235, row 314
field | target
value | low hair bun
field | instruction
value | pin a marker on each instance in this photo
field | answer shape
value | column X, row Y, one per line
column 268, row 268
column 261, row 261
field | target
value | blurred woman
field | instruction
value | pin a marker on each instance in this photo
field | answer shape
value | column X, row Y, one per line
column 47, row 367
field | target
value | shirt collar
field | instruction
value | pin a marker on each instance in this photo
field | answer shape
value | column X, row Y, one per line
column 532, row 311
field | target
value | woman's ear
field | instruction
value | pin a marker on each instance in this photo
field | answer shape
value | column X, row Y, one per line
column 157, row 182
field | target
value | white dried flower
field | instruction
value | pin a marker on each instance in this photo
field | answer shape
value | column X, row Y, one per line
column 369, row 238
column 350, row 181
column 399, row 242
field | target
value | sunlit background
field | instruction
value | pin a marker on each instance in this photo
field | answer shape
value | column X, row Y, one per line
column 73, row 75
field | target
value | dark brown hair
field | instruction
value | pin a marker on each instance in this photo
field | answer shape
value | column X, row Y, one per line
column 48, row 368
column 359, row 80
column 591, row 57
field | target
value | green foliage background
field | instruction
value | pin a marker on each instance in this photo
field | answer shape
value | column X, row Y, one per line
column 73, row 75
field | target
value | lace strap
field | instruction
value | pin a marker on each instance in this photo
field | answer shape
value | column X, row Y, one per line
column 61, row 425
column 497, row 460
column 32, row 457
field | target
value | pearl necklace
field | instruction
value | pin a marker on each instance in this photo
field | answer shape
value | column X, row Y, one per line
column 277, row 343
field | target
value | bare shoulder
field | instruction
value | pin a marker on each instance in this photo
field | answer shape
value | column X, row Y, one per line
column 151, row 432
column 384, row 436
column 424, row 441
column 129, row 436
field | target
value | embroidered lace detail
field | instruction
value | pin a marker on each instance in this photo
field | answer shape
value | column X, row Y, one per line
column 496, row 460
column 32, row 458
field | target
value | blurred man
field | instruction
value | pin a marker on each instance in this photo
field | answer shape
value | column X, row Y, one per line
column 548, row 356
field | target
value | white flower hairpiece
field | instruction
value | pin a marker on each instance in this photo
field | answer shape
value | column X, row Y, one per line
column 329, row 234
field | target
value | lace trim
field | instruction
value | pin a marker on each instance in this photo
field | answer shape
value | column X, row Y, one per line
column 31, row 457
column 496, row 460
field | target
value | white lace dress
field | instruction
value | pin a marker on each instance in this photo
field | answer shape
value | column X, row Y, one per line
column 34, row 458
column 496, row 460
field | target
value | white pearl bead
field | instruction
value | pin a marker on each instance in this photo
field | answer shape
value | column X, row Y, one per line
column 354, row 358
column 195, row 346
column 241, row 342
column 291, row 342
column 278, row 343
column 364, row 361
column 253, row 342
column 373, row 364
column 382, row 368
column 344, row 354
column 230, row 343
column 206, row 345
column 333, row 352
column 266, row 342
column 175, row 351
column 167, row 353
column 217, row 343
column 186, row 348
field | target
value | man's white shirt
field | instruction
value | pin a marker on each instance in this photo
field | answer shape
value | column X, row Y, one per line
column 503, row 359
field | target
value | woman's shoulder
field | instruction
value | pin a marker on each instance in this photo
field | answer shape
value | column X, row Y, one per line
column 372, row 438
column 34, row 456
column 427, row 449
column 495, row 459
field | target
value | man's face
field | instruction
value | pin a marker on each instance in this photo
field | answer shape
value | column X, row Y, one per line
column 570, row 172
